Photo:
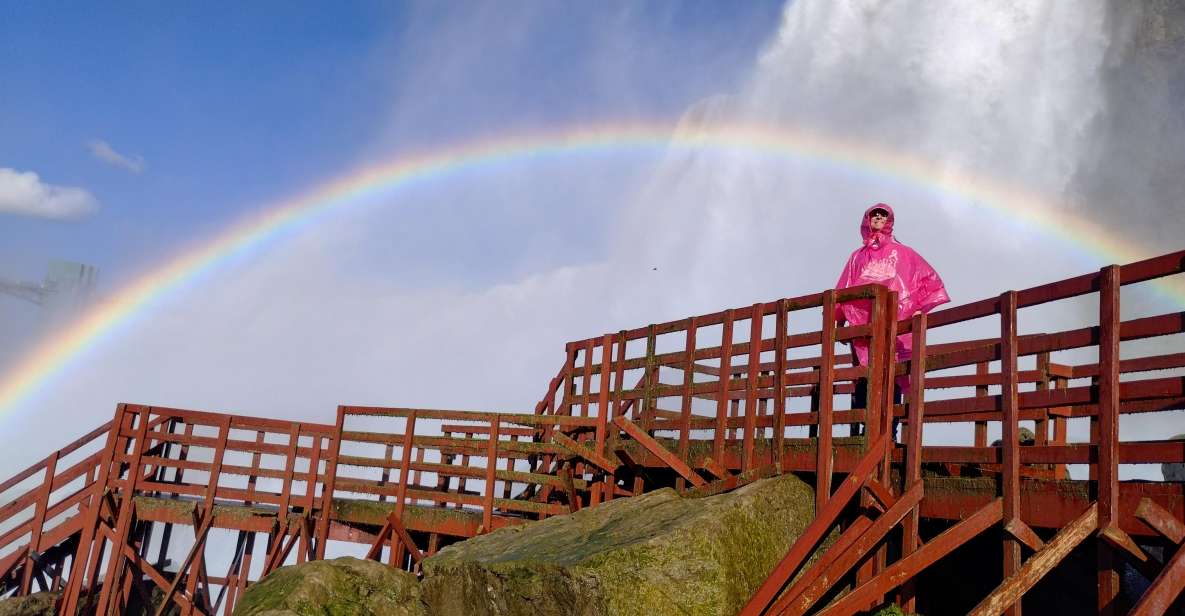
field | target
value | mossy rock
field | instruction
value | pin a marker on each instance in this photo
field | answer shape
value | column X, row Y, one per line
column 339, row 587
column 36, row 604
column 654, row 554
column 892, row 610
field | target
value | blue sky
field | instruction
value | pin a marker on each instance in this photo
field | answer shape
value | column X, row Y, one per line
column 232, row 105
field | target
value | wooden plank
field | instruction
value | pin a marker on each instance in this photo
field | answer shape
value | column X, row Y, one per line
column 909, row 566
column 1108, row 430
column 800, row 598
column 565, row 441
column 824, row 455
column 1010, row 469
column 1164, row 589
column 1161, row 520
column 662, row 453
column 814, row 532
column 487, row 505
column 1015, row 586
column 685, row 402
column 881, row 495
column 1024, row 533
column 723, row 384
column 603, row 393
column 913, row 442
column 37, row 524
column 710, row 465
column 779, row 395
column 409, row 430
column 751, row 377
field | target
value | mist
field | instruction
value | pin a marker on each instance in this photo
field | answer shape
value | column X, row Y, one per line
column 460, row 293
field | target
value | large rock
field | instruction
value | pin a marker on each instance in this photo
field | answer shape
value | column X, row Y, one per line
column 344, row 586
column 36, row 604
column 651, row 555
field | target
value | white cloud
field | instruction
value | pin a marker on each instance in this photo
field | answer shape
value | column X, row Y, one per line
column 24, row 194
column 103, row 151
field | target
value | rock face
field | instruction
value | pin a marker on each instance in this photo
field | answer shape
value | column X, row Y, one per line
column 344, row 586
column 650, row 555
column 36, row 604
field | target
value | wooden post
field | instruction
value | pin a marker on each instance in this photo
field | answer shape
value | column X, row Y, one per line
column 981, row 369
column 1108, row 443
column 824, row 456
column 685, row 407
column 780, row 382
column 487, row 509
column 718, row 443
column 913, row 453
column 752, row 374
column 1011, row 433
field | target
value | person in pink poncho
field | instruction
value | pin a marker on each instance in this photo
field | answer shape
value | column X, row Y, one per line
column 885, row 261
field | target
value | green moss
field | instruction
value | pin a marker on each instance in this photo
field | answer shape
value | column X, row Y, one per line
column 340, row 587
column 653, row 554
column 35, row 604
column 375, row 513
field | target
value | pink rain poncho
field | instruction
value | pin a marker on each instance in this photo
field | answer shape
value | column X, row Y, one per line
column 885, row 261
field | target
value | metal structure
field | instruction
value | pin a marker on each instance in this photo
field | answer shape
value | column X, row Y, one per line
column 124, row 517
column 66, row 286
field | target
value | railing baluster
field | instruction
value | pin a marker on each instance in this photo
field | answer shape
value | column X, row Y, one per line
column 1011, row 434
column 1108, row 435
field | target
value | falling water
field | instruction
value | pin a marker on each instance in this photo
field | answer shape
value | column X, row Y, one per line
column 1079, row 104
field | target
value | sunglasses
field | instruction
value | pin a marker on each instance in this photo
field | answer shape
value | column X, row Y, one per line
column 879, row 214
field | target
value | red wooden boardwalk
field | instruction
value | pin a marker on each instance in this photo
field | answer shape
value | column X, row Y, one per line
column 159, row 497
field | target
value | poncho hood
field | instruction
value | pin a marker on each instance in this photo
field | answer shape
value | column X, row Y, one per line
column 871, row 237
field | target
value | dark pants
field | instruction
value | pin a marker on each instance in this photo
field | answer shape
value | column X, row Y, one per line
column 860, row 401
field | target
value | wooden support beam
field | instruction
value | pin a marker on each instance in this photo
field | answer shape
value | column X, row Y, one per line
column 565, row 441
column 1123, row 542
column 719, row 471
column 752, row 375
column 376, row 546
column 183, row 571
column 38, row 521
column 785, row 570
column 1010, row 443
column 400, row 531
column 824, row 455
column 722, row 398
column 1161, row 520
column 603, row 393
column 780, row 326
column 913, row 441
column 1017, row 528
column 883, row 497
column 660, row 452
column 393, row 530
column 685, row 400
column 115, row 565
column 1107, row 422
column 846, row 540
column 1015, row 586
column 487, row 504
column 1164, row 589
column 574, row 503
column 797, row 603
column 909, row 566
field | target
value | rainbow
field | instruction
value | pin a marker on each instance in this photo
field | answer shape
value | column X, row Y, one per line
column 55, row 355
